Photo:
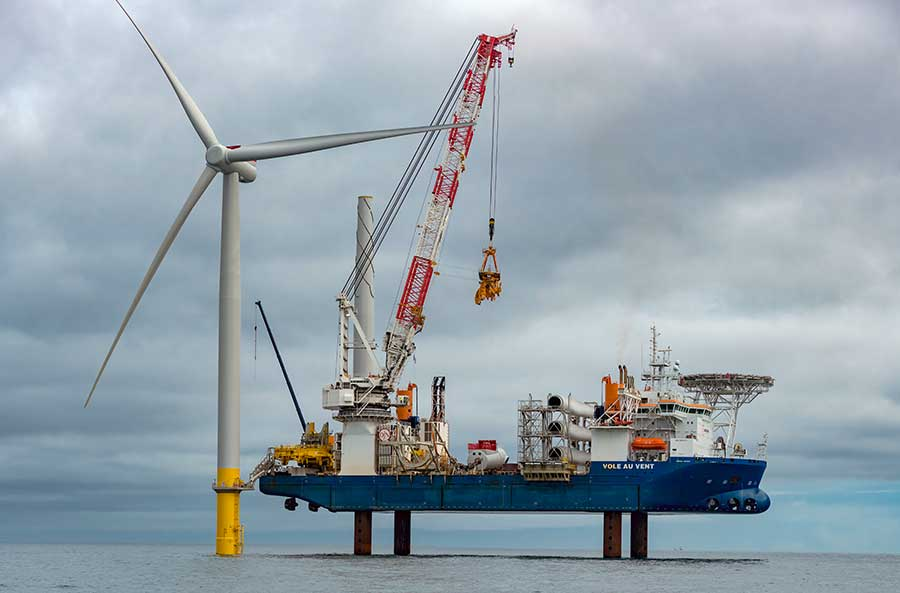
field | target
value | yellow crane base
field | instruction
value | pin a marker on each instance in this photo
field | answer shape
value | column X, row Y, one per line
column 315, row 451
column 317, row 457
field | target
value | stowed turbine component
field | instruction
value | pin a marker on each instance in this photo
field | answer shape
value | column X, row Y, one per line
column 567, row 430
column 485, row 456
column 569, row 455
column 364, row 304
column 570, row 405
column 235, row 163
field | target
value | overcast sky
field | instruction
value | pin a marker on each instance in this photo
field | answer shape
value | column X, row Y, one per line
column 727, row 171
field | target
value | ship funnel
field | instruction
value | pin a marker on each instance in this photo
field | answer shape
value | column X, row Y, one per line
column 569, row 455
column 570, row 405
column 570, row 431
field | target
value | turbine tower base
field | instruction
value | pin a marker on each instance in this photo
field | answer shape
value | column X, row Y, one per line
column 229, row 531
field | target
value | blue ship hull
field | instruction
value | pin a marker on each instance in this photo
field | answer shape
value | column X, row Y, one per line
column 679, row 485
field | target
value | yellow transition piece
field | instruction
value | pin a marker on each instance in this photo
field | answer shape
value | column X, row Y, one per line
column 229, row 531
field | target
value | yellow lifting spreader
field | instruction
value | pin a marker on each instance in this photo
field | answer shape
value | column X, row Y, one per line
column 489, row 277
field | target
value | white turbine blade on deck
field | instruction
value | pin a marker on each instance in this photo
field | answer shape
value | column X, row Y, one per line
column 205, row 179
column 204, row 130
column 280, row 148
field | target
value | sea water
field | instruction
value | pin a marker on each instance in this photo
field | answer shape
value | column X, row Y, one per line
column 143, row 568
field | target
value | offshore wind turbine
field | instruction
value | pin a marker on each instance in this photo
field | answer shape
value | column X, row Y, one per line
column 235, row 164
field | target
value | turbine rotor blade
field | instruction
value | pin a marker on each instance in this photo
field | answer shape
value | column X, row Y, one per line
column 204, row 130
column 280, row 148
column 205, row 179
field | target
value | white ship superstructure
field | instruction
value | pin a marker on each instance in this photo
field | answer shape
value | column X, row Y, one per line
column 665, row 423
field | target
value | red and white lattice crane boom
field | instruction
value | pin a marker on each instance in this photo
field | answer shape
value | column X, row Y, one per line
column 409, row 319
column 361, row 397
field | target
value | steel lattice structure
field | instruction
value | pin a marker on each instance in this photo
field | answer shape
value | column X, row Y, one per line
column 725, row 393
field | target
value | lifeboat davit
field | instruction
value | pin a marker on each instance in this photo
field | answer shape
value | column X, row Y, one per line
column 645, row 444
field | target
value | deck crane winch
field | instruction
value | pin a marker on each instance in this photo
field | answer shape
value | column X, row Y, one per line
column 363, row 397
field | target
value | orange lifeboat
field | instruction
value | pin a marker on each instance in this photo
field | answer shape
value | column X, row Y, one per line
column 645, row 444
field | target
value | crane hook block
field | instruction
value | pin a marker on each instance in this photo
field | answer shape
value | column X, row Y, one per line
column 489, row 277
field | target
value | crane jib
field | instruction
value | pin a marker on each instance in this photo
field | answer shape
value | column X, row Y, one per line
column 409, row 318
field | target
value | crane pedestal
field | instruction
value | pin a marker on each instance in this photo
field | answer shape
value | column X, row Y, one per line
column 612, row 534
column 639, row 534
column 402, row 525
column 362, row 533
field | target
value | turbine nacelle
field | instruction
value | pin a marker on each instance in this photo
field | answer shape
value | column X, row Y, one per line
column 217, row 158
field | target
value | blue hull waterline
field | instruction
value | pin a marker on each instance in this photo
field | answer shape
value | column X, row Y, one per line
column 679, row 485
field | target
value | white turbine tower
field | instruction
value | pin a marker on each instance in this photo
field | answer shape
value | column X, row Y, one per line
column 235, row 164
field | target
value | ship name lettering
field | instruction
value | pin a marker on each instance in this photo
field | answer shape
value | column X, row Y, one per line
column 609, row 466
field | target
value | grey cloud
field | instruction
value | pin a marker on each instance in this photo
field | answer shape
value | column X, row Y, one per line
column 729, row 174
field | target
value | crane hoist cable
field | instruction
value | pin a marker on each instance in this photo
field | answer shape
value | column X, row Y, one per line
column 489, row 286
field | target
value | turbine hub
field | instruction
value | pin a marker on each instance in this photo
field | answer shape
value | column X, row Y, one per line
column 215, row 156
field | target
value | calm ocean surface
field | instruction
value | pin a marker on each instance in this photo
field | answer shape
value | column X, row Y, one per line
column 127, row 568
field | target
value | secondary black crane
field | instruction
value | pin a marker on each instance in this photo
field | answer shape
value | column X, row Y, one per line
column 281, row 364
